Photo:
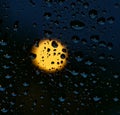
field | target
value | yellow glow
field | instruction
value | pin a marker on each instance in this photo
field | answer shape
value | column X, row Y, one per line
column 51, row 55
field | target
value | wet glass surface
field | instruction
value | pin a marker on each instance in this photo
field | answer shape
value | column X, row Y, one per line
column 90, row 82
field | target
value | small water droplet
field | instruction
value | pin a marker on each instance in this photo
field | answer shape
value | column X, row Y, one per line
column 102, row 44
column 96, row 98
column 84, row 75
column 101, row 56
column 111, row 20
column 115, row 99
column 16, row 25
column 47, row 15
column 64, row 50
column 116, row 76
column 34, row 24
column 110, row 45
column 25, row 84
column 47, row 33
column 4, row 110
column 2, row 88
column 101, row 21
column 61, row 99
column 77, row 25
column 75, row 39
column 95, row 38
column 32, row 56
column 93, row 13
column 62, row 56
column 86, row 5
column 84, row 41
column 8, row 76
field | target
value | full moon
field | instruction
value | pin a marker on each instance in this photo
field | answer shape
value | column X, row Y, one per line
column 50, row 55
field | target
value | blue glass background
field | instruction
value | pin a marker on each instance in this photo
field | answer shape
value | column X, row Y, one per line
column 90, row 83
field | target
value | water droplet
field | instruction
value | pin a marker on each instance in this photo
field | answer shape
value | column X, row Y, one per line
column 54, row 44
column 78, row 56
column 52, row 62
column 110, row 45
column 32, row 2
column 7, row 56
column 60, row 85
column 62, row 56
column 96, row 98
column 13, row 94
column 117, row 5
column 88, row 62
column 86, row 4
column 116, row 99
column 49, row 2
column 111, row 57
column 116, row 76
column 8, row 76
column 48, row 49
column 34, row 24
column 94, row 81
column 101, row 56
column 111, row 20
column 84, row 41
column 73, row 72
column 72, row 4
column 32, row 56
column 93, row 13
column 2, row 88
column 101, row 21
column 61, row 99
column 12, row 103
column 95, row 38
column 102, row 68
column 76, row 92
column 4, row 110
column 16, row 25
column 81, row 84
column 25, row 93
column 6, row 67
column 102, row 44
column 47, row 33
column 2, row 43
column 84, row 75
column 47, row 15
column 25, row 84
column 75, row 39
column 77, row 25
column 61, row 1
column 64, row 50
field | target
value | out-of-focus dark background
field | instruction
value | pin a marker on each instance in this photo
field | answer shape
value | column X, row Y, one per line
column 89, row 84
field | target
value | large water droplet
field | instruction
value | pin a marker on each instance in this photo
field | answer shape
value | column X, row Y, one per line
column 54, row 44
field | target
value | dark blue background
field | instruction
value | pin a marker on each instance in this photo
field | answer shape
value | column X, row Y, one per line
column 24, row 22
